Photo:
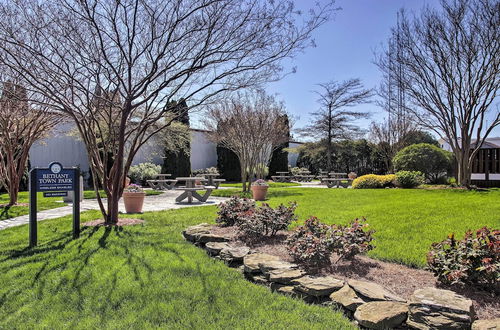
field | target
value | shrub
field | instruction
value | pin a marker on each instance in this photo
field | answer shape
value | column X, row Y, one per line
column 144, row 171
column 266, row 221
column 298, row 170
column 409, row 179
column 352, row 239
column 429, row 159
column 314, row 242
column 472, row 260
column 208, row 170
column 373, row 181
column 310, row 243
column 230, row 211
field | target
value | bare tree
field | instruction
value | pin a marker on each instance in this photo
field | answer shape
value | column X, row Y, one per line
column 145, row 53
column 451, row 59
column 21, row 125
column 334, row 120
column 252, row 126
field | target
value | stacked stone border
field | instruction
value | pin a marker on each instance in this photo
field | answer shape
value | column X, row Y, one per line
column 368, row 304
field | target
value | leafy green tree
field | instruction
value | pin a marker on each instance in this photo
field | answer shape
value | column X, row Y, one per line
column 429, row 159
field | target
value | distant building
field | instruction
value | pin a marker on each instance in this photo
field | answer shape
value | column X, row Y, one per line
column 486, row 165
column 67, row 148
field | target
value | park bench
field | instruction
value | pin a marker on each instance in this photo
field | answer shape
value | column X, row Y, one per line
column 281, row 178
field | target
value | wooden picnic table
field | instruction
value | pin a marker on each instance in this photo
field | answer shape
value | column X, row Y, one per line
column 281, row 178
column 161, row 182
column 191, row 190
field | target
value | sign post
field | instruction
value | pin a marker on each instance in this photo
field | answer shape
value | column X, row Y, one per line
column 53, row 181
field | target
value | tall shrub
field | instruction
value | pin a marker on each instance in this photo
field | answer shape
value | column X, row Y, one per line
column 429, row 159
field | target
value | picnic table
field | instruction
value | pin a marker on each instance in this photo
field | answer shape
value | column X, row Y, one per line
column 161, row 182
column 191, row 190
column 210, row 179
column 337, row 180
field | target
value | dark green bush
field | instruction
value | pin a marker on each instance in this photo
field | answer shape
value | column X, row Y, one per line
column 409, row 179
column 429, row 159
column 472, row 260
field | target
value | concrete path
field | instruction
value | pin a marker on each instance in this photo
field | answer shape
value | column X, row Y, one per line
column 165, row 201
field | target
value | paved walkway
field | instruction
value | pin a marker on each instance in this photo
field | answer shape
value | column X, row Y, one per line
column 165, row 201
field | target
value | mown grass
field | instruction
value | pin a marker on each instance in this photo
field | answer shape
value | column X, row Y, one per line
column 407, row 221
column 18, row 210
column 136, row 277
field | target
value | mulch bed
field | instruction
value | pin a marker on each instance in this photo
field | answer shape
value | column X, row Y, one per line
column 400, row 279
column 121, row 222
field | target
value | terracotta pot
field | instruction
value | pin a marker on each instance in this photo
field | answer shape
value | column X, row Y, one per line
column 127, row 182
column 133, row 201
column 259, row 192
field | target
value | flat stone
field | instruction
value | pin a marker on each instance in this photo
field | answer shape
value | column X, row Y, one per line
column 191, row 233
column 259, row 279
column 214, row 248
column 285, row 276
column 234, row 253
column 431, row 308
column 251, row 261
column 347, row 298
column 268, row 265
column 381, row 314
column 493, row 324
column 208, row 237
column 287, row 290
column 318, row 286
column 372, row 291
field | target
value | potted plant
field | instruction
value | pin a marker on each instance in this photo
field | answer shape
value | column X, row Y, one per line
column 259, row 190
column 133, row 197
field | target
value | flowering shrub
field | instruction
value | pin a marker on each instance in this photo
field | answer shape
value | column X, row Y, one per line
column 372, row 181
column 315, row 242
column 352, row 239
column 142, row 172
column 208, row 170
column 260, row 182
column 265, row 220
column 133, row 188
column 472, row 260
column 409, row 179
column 310, row 243
column 230, row 211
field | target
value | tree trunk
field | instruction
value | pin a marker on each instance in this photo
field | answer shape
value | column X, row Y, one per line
column 13, row 193
column 463, row 171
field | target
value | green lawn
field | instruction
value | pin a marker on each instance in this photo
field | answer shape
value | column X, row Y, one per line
column 15, row 211
column 138, row 277
column 407, row 221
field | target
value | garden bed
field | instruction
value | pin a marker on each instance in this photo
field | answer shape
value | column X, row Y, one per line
column 397, row 278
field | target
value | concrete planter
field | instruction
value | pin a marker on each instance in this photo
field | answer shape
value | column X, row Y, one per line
column 133, row 201
column 259, row 193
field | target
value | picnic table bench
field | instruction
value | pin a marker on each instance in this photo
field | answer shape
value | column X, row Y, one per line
column 162, row 183
column 281, row 178
column 191, row 190
column 337, row 180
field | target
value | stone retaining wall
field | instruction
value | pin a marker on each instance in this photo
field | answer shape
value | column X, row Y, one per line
column 368, row 304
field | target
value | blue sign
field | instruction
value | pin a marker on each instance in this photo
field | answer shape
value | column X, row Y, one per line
column 55, row 178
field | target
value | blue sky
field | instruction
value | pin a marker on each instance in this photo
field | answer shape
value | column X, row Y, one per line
column 345, row 49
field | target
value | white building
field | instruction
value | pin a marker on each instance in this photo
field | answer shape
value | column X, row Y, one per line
column 65, row 147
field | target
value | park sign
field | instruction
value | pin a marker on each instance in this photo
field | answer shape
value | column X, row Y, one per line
column 54, row 181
